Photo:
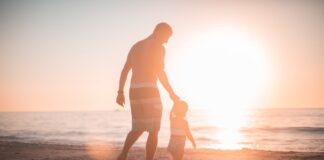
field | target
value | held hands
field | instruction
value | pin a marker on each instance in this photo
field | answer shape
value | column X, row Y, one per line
column 194, row 145
column 120, row 99
column 174, row 97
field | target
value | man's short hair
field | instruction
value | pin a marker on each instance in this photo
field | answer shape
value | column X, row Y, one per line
column 163, row 28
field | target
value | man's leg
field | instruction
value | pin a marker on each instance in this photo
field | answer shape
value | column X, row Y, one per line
column 151, row 144
column 130, row 140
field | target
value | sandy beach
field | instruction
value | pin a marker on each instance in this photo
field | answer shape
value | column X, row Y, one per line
column 30, row 151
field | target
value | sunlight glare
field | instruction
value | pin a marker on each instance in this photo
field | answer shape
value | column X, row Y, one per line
column 222, row 68
column 225, row 71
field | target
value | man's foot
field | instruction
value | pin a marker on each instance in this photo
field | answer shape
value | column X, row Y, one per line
column 122, row 157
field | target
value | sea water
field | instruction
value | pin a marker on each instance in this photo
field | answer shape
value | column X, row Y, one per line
column 266, row 129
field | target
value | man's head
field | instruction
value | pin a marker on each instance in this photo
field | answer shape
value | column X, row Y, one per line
column 162, row 32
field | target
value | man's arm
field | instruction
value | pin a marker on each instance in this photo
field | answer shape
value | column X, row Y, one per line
column 123, row 76
column 163, row 76
column 165, row 82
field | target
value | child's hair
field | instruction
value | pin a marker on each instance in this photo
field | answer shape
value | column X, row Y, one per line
column 179, row 108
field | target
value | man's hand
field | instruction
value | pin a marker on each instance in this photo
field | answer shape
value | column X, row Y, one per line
column 174, row 97
column 120, row 99
column 194, row 145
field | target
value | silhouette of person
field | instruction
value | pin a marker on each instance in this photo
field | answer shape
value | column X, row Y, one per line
column 146, row 59
column 180, row 130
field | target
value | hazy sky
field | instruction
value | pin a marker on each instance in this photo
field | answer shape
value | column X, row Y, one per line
column 67, row 55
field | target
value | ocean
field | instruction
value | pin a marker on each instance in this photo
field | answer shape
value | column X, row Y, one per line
column 265, row 129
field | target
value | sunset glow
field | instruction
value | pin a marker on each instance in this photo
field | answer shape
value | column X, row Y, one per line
column 221, row 54
column 225, row 68
column 229, row 123
column 227, row 71
column 176, row 80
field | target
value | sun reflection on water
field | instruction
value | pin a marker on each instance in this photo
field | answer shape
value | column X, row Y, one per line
column 229, row 123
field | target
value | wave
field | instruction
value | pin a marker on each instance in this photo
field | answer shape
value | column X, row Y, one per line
column 319, row 130
column 207, row 139
column 205, row 128
column 9, row 137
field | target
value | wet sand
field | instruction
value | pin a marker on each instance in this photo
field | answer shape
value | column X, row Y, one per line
column 33, row 151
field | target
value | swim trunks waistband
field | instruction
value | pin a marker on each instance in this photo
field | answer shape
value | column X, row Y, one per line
column 143, row 85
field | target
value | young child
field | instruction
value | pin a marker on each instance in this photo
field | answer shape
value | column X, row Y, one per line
column 179, row 130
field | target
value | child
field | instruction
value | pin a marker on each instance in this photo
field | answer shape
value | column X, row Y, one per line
column 179, row 130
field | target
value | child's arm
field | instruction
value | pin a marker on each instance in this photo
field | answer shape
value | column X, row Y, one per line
column 189, row 135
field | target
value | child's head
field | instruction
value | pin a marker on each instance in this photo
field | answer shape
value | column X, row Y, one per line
column 180, row 109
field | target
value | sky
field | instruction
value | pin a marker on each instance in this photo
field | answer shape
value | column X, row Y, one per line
column 67, row 55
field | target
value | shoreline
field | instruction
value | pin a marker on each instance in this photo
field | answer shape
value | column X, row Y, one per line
column 19, row 150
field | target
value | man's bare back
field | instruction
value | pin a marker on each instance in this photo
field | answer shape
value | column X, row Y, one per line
column 147, row 59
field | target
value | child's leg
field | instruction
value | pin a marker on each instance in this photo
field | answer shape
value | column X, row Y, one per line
column 131, row 138
column 176, row 155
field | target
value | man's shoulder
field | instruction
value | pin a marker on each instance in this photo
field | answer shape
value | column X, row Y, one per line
column 149, row 44
column 142, row 42
column 135, row 48
column 137, row 44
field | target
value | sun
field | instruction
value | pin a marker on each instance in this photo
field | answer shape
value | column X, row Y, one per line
column 222, row 69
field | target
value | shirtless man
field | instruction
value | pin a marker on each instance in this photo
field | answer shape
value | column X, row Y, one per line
column 146, row 59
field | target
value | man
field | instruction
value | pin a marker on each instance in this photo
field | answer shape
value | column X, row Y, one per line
column 146, row 59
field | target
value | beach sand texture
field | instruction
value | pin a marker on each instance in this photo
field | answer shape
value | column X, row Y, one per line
column 30, row 151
